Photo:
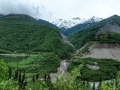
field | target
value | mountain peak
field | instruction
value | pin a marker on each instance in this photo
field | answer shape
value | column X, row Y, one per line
column 23, row 16
column 68, row 23
column 94, row 19
column 115, row 15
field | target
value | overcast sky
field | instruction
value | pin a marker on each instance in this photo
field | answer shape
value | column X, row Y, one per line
column 65, row 9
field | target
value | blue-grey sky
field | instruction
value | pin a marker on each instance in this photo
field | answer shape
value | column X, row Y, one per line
column 64, row 9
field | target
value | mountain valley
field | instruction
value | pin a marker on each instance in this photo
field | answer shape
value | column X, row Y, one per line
column 34, row 52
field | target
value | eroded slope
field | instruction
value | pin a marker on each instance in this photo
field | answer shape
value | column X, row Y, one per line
column 104, row 50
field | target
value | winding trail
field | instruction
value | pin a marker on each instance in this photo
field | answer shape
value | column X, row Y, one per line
column 15, row 55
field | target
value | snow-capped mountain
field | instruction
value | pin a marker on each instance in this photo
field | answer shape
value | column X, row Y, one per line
column 94, row 19
column 66, row 24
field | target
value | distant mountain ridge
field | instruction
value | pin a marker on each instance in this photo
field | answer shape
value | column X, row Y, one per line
column 77, row 28
column 66, row 24
column 68, row 27
column 81, row 26
column 1, row 15
column 27, row 17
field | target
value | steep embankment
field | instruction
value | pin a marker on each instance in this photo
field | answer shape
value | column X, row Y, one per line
column 104, row 50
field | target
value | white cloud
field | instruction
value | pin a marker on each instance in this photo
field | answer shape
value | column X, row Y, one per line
column 31, row 8
column 61, row 8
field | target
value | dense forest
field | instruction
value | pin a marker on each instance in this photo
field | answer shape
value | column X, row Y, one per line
column 104, row 69
column 23, row 34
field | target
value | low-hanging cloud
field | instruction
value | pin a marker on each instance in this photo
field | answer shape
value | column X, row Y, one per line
column 64, row 9
column 35, row 10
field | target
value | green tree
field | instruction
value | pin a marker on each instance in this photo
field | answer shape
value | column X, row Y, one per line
column 3, row 70
column 5, row 84
column 70, row 82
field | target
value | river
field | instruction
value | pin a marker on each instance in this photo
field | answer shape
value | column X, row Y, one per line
column 60, row 70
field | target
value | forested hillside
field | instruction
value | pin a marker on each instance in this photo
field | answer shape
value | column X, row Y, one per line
column 77, row 28
column 48, row 24
column 22, row 33
column 107, row 30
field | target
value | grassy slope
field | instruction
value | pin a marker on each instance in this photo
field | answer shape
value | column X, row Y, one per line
column 21, row 33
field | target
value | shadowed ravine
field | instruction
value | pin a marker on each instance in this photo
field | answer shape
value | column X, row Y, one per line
column 65, row 39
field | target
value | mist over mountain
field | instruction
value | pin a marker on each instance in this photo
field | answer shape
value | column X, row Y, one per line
column 36, row 10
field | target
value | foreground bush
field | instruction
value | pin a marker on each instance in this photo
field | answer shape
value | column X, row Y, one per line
column 113, row 85
column 69, row 81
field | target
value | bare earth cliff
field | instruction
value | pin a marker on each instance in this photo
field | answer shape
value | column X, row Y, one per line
column 104, row 51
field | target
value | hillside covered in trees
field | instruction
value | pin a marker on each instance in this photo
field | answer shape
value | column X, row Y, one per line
column 107, row 30
column 24, row 34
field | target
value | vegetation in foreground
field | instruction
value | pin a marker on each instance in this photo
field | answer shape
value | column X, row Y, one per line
column 19, row 81
column 42, row 64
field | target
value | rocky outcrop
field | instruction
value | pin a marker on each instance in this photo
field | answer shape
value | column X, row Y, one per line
column 109, row 27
